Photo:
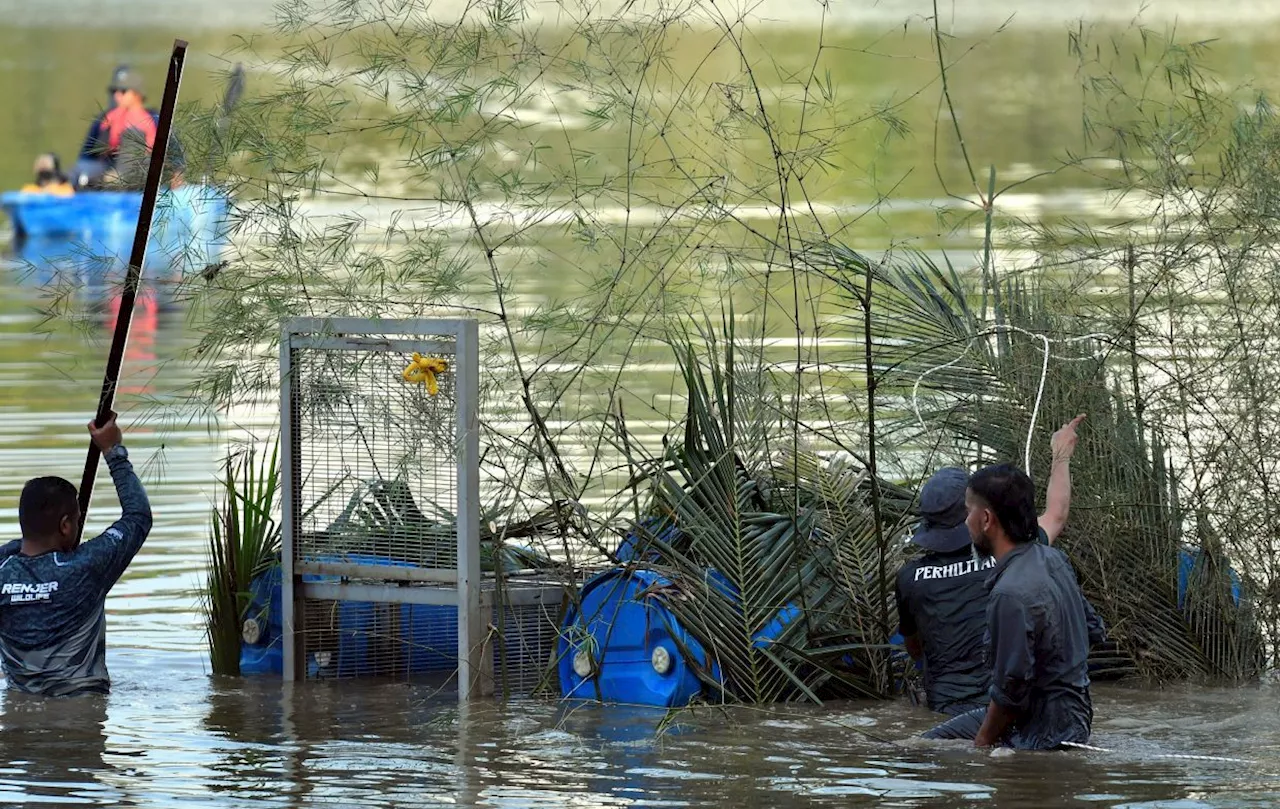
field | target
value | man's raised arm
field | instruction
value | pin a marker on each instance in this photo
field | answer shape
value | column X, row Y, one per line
column 1058, row 495
column 120, row 543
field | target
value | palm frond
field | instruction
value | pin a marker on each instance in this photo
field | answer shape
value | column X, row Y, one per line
column 775, row 555
column 976, row 387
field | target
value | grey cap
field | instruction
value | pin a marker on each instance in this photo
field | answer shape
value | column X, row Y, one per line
column 125, row 78
column 942, row 509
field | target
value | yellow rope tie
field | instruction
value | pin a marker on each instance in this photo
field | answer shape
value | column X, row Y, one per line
column 423, row 370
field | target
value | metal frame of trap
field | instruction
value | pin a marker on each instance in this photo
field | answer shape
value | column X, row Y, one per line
column 398, row 585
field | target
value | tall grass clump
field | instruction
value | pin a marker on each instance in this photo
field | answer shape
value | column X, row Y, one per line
column 1128, row 530
column 1194, row 309
column 244, row 541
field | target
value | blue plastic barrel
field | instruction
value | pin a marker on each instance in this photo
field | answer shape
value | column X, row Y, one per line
column 266, row 655
column 620, row 644
column 1188, row 558
column 656, row 527
column 771, row 632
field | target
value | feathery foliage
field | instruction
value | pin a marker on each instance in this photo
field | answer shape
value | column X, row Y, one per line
column 775, row 554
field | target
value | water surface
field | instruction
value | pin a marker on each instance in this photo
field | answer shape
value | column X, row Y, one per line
column 171, row 735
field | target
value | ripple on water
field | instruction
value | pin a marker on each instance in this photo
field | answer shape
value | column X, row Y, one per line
column 675, row 775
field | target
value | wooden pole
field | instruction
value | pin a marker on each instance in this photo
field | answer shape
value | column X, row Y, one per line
column 150, row 193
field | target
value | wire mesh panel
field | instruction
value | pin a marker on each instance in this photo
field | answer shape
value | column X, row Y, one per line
column 344, row 638
column 526, row 627
column 381, row 518
column 378, row 455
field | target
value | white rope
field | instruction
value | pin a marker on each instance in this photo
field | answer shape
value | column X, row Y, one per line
column 1180, row 756
column 1044, row 373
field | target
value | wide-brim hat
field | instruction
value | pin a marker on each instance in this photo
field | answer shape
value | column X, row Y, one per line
column 942, row 511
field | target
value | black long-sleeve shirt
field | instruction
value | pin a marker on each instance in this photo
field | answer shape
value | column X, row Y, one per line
column 942, row 599
column 52, row 616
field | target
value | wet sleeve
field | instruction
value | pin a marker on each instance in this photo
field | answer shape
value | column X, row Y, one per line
column 906, row 621
column 1012, row 651
column 1097, row 629
column 115, row 547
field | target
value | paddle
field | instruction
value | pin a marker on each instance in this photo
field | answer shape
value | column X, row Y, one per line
column 150, row 193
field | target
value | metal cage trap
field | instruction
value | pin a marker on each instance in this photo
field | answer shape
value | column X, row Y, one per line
column 382, row 563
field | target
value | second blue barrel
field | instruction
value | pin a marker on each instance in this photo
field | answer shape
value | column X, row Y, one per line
column 621, row 644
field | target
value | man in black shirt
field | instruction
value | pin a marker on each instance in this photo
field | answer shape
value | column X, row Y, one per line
column 942, row 595
column 1040, row 626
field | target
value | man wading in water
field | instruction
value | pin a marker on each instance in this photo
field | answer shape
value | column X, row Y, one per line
column 52, row 591
column 1039, row 626
column 942, row 595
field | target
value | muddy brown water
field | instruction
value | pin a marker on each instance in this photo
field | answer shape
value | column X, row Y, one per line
column 169, row 734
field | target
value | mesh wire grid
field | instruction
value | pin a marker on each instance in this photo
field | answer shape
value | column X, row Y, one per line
column 374, row 483
column 525, row 645
column 350, row 639
column 376, row 458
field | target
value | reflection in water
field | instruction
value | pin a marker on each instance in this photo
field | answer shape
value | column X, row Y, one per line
column 141, row 348
column 89, row 282
column 51, row 749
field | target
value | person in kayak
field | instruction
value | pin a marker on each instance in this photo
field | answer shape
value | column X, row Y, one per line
column 1039, row 626
column 53, row 590
column 942, row 595
column 49, row 178
column 119, row 141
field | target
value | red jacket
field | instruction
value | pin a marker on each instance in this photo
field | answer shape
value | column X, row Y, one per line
column 100, row 145
column 118, row 121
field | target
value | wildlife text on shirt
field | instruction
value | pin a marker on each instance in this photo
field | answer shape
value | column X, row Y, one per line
column 954, row 569
column 19, row 592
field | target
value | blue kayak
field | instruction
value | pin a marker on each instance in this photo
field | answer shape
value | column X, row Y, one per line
column 189, row 229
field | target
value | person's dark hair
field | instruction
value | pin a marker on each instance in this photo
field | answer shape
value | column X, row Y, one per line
column 49, row 169
column 44, row 502
column 1011, row 496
